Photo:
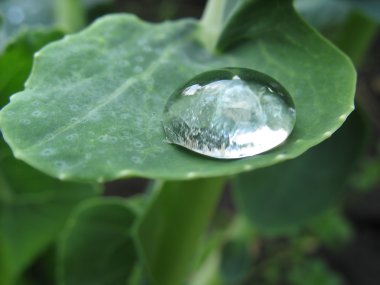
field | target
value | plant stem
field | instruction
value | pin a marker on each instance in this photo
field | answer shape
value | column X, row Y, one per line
column 5, row 191
column 212, row 22
column 170, row 230
column 356, row 36
column 70, row 15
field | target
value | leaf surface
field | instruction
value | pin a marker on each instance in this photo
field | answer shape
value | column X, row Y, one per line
column 92, row 106
column 97, row 247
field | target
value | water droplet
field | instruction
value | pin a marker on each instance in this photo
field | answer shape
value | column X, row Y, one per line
column 71, row 137
column 139, row 58
column 37, row 113
column 74, row 120
column 74, row 107
column 125, row 63
column 107, row 139
column 138, row 69
column 138, row 144
column 229, row 113
column 136, row 159
column 60, row 164
column 141, row 42
column 94, row 117
column 147, row 49
column 49, row 137
column 25, row 122
column 47, row 152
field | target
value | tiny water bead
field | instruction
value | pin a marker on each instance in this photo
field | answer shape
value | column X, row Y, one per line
column 229, row 113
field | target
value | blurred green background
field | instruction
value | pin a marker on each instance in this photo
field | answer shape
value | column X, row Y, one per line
column 340, row 245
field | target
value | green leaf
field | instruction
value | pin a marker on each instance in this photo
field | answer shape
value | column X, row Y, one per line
column 350, row 24
column 17, row 58
column 169, row 232
column 368, row 175
column 289, row 194
column 370, row 7
column 236, row 263
column 97, row 247
column 92, row 106
column 323, row 14
column 332, row 229
column 313, row 271
column 33, row 209
column 326, row 14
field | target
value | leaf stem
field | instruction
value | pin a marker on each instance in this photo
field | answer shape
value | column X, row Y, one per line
column 70, row 15
column 5, row 190
column 212, row 22
column 170, row 230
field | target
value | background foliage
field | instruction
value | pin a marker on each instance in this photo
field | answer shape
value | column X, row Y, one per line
column 283, row 224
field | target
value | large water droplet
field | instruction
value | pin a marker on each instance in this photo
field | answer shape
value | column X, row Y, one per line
column 229, row 113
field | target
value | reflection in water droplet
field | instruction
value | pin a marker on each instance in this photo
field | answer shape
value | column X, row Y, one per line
column 229, row 113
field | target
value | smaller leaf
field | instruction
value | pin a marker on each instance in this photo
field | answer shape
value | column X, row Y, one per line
column 312, row 272
column 32, row 212
column 368, row 176
column 369, row 7
column 287, row 195
column 16, row 60
column 97, row 247
column 236, row 262
column 332, row 229
column 324, row 14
